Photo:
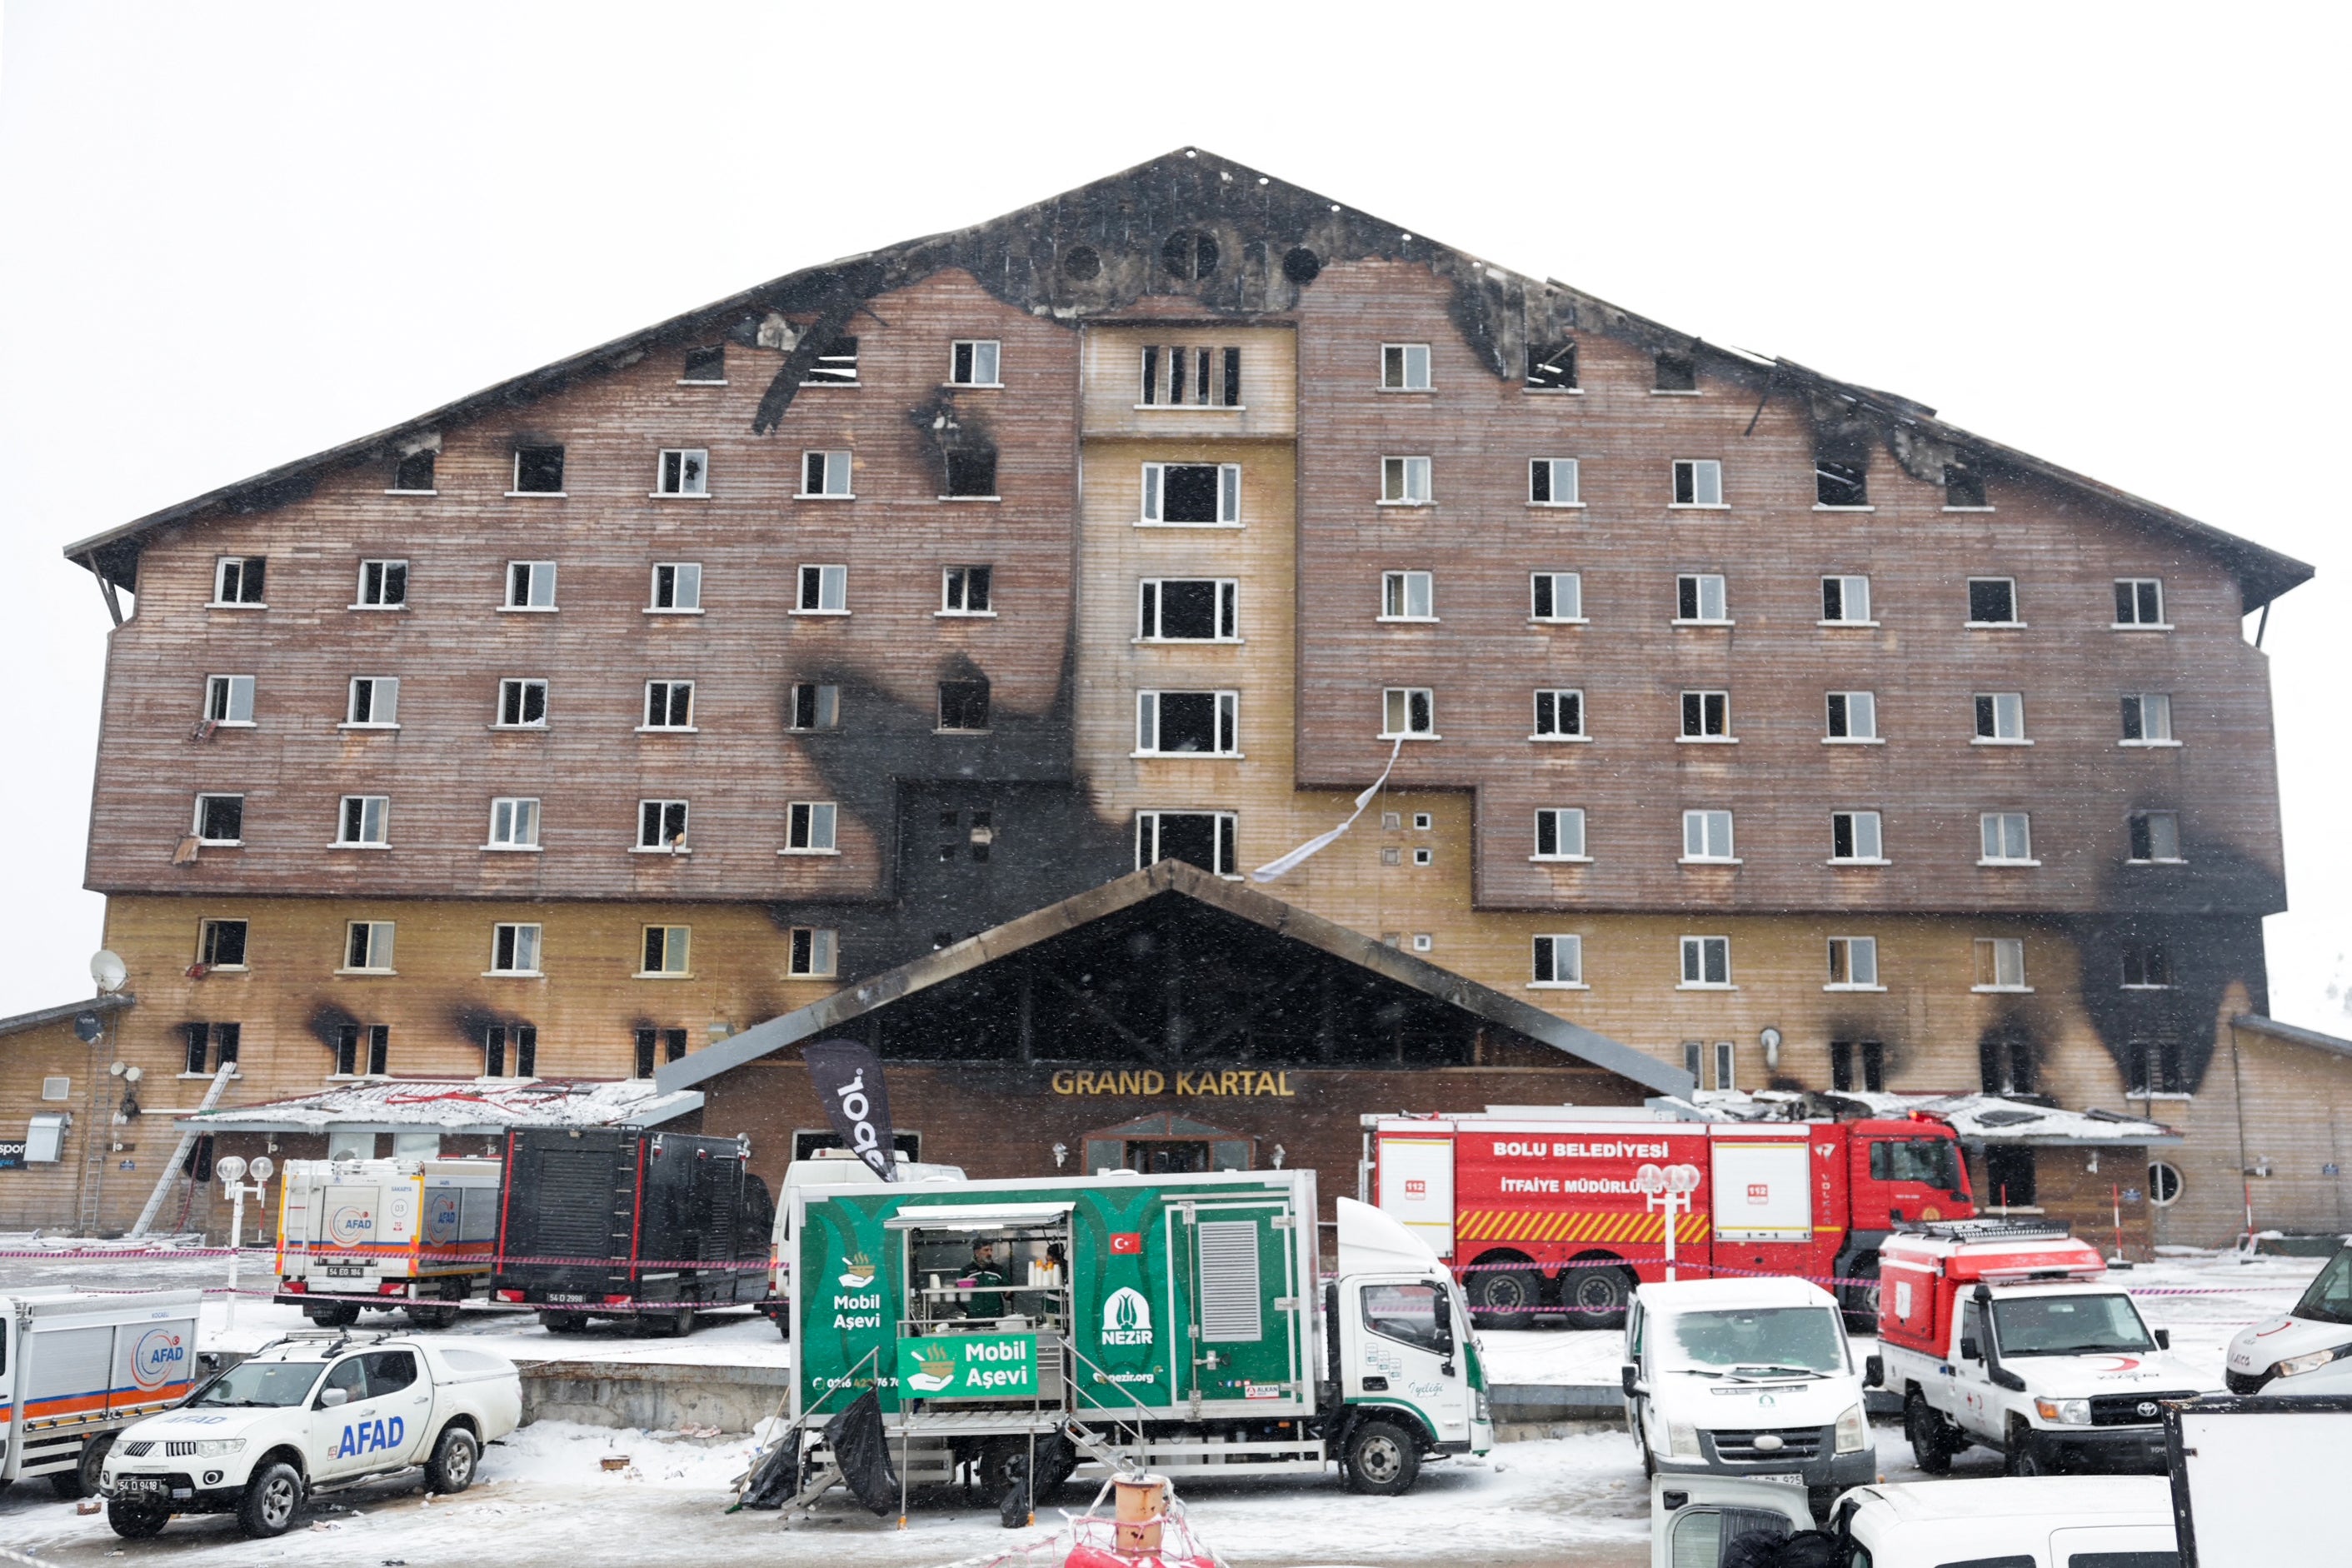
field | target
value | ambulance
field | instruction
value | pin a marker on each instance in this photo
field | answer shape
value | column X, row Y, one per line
column 385, row 1235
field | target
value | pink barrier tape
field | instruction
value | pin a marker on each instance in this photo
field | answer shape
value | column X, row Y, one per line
column 335, row 1255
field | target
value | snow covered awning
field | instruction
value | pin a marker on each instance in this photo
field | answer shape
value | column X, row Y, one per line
column 455, row 1106
column 1976, row 1118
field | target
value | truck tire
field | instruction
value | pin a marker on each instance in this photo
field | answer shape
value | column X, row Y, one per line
column 563, row 1322
column 2022, row 1458
column 1932, row 1447
column 81, row 1481
column 676, row 1325
column 271, row 1500
column 332, row 1314
column 431, row 1315
column 1596, row 1292
column 1381, row 1459
column 1505, row 1291
column 783, row 1326
column 1859, row 1295
column 455, row 1456
column 133, row 1522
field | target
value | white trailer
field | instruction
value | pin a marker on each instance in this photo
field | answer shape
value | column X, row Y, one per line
column 386, row 1234
column 76, row 1368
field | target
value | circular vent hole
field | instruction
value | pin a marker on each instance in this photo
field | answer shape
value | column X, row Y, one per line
column 1302, row 265
column 1081, row 263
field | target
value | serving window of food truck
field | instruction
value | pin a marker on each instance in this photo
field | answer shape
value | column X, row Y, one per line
column 988, row 1301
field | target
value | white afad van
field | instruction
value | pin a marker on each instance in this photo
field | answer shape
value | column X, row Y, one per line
column 2307, row 1351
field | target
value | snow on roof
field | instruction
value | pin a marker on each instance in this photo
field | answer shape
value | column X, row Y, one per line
column 1976, row 1118
column 461, row 1105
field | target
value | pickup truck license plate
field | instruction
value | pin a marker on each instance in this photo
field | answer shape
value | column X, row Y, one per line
column 1780, row 1479
column 141, row 1486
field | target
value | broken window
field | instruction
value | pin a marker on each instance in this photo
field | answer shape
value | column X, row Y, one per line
column 1707, row 715
column 2008, row 837
column 1706, row 836
column 375, row 702
column 2157, row 1067
column 706, row 366
column 411, row 473
column 1551, row 367
column 228, row 698
column 825, row 591
column 677, row 587
column 1193, row 493
column 963, row 590
column 1698, row 481
column 1853, row 964
column 220, row 944
column 539, row 470
column 1560, row 715
column 1699, row 598
column 2001, row 963
column 1706, row 964
column 1190, row 376
column 367, row 945
column 809, row 827
column 497, row 1038
column 972, row 475
column 1872, row 1053
column 1172, row 723
column 238, row 579
column 1404, row 367
column 531, row 584
column 1964, row 489
column 1407, row 596
column 665, row 950
column 669, row 705
column 384, row 586
column 1404, row 481
column 1408, row 711
column 661, row 825
column 2139, row 601
column 836, row 364
column 220, row 819
column 2147, row 966
column 1845, row 600
column 812, row 705
column 523, row 704
column 1552, row 481
column 824, row 476
column 1675, row 373
column 654, row 1046
column 2155, row 836
column 1854, row 835
column 514, row 823
column 963, row 705
column 514, row 949
column 814, row 952
column 1559, row 832
column 1839, row 484
column 972, row 362
column 349, row 1040
column 1203, row 838
column 1559, row 960
column 682, row 471
column 1852, row 715
column 2147, row 719
column 1992, row 602
column 1190, row 254
column 1557, row 596
column 199, row 1041
column 363, row 822
column 2000, row 716
column 1188, row 609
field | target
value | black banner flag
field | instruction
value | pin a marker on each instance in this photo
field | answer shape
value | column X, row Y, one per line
column 849, row 1081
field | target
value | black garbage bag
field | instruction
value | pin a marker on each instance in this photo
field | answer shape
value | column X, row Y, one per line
column 1752, row 1538
column 1809, row 1549
column 776, row 1478
column 864, row 1455
column 1012, row 1509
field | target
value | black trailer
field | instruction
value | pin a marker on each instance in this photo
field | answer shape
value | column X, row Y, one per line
column 619, row 1222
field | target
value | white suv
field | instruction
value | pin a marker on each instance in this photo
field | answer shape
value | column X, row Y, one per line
column 2309, row 1350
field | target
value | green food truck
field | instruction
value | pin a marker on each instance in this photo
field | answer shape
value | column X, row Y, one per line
column 1172, row 1322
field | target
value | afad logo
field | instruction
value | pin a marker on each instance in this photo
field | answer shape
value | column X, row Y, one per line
column 157, row 1357
column 441, row 1217
column 351, row 1223
column 1126, row 1317
column 369, row 1437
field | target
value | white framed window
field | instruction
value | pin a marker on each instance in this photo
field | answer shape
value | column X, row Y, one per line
column 1852, row 717
column 661, row 826
column 1855, row 839
column 682, row 471
column 835, row 366
column 1845, row 602
column 384, row 586
column 1707, row 966
column 1407, row 596
column 813, row 705
column 1188, row 609
column 963, row 590
column 1707, row 838
column 228, row 699
column 1192, row 495
column 367, row 947
column 2001, row 718
column 669, row 705
column 824, row 476
column 1992, row 602
column 220, row 944
column 514, row 949
column 2139, row 604
column 809, row 827
column 363, row 822
column 220, row 819
column 1404, row 367
column 825, row 591
column 677, row 588
column 1558, row 961
column 1706, row 716
column 1700, row 600
column 1188, row 723
column 514, row 823
column 1552, row 481
column 2147, row 966
column 1190, row 376
column 1559, row 833
column 1410, row 711
column 237, row 582
column 972, row 361
column 522, row 703
column 664, row 951
column 2001, row 963
column 1698, row 481
column 1853, row 964
column 530, row 586
column 2147, row 719
column 1404, row 481
column 1203, row 838
column 1560, row 715
column 1727, row 1060
column 814, row 953
column 1556, row 596
column 373, row 703
column 2154, row 837
column 2008, row 838
column 537, row 471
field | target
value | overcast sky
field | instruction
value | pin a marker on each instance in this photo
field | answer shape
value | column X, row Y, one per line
column 233, row 234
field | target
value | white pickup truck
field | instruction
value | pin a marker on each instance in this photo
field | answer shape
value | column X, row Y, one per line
column 313, row 1412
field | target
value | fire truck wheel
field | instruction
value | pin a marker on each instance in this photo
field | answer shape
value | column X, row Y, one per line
column 1597, row 1294
column 332, row 1314
column 133, row 1523
column 1382, row 1458
column 1859, row 1294
column 1503, row 1294
column 1931, row 1446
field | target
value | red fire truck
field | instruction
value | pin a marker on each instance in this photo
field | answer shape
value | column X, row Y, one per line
column 1544, row 1209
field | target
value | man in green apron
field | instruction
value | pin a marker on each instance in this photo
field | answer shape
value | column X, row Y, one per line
column 984, row 1302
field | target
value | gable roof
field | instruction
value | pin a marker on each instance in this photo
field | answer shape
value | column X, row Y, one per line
column 2256, row 1023
column 1174, row 878
column 101, row 1004
column 1031, row 259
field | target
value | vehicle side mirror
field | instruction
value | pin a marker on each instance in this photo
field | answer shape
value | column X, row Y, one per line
column 1873, row 1371
column 1445, row 1325
column 1970, row 1350
column 1629, row 1378
column 2164, row 1338
column 329, row 1399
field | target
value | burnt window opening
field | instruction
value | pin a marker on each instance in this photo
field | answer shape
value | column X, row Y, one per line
column 414, row 472
column 379, row 1049
column 1201, row 377
column 2155, row 835
column 963, row 705
column 1301, row 266
column 2005, row 1062
column 1676, row 373
column 2155, row 1065
column 708, row 367
column 1189, row 253
column 199, row 1042
column 836, row 364
column 362, row 1050
column 539, row 470
column 654, row 1045
column 1869, row 1055
column 1963, row 488
column 2147, row 966
column 198, row 1165
column 1839, row 484
column 1203, row 838
column 971, row 473
column 1551, row 367
column 2009, row 1177
column 522, row 1040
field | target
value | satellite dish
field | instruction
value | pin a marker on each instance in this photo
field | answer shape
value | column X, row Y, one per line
column 107, row 968
column 114, row 1069
column 262, row 1166
column 89, row 1027
column 230, row 1169
column 132, row 1075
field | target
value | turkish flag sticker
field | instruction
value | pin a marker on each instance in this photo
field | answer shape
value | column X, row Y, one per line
column 1127, row 1241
